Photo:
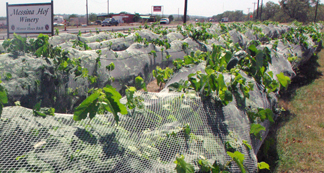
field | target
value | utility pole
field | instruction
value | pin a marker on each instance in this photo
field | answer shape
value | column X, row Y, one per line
column 257, row 16
column 87, row 13
column 185, row 12
column 248, row 13
column 316, row 11
column 261, row 10
column 254, row 9
column 178, row 14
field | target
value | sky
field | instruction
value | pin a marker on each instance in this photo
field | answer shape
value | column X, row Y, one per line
column 206, row 8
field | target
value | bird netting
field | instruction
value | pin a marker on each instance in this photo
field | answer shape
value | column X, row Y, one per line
column 150, row 138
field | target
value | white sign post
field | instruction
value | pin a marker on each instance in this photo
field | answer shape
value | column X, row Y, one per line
column 30, row 18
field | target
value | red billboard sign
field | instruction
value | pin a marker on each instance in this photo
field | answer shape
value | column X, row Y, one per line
column 157, row 8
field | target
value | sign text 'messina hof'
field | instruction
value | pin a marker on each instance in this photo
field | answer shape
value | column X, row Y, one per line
column 30, row 18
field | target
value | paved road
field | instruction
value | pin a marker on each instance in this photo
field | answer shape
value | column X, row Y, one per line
column 3, row 35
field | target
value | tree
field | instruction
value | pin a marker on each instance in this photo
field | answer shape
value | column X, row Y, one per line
column 171, row 18
column 158, row 18
column 92, row 17
column 232, row 16
column 272, row 11
column 296, row 9
column 136, row 17
column 73, row 15
column 320, row 12
column 316, row 8
column 188, row 18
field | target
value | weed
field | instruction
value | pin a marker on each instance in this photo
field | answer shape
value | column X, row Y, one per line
column 321, row 125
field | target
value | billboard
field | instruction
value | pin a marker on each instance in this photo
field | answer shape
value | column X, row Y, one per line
column 30, row 18
column 157, row 8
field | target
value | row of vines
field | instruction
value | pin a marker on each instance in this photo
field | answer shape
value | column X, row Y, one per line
column 243, row 63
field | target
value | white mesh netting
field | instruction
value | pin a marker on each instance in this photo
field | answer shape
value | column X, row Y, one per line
column 146, row 140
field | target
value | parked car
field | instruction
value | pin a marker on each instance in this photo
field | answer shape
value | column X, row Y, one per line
column 109, row 22
column 164, row 21
column 2, row 26
column 98, row 22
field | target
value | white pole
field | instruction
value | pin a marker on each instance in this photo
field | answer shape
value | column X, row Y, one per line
column 248, row 13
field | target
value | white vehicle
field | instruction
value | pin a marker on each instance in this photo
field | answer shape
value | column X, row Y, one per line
column 58, row 21
column 225, row 19
column 164, row 21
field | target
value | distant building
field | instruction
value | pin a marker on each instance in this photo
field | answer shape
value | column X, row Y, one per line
column 3, row 23
column 147, row 18
column 123, row 17
column 76, row 21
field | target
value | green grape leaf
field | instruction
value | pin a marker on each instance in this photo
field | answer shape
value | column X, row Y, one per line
column 255, row 129
column 238, row 157
column 89, row 105
column 270, row 74
column 37, row 106
column 263, row 165
column 112, row 102
column 188, row 60
column 50, row 111
column 8, row 76
column 3, row 95
column 38, row 113
column 205, row 166
column 213, row 81
column 139, row 83
column 267, row 113
column 283, row 80
column 221, row 82
column 36, row 110
column 247, row 144
column 110, row 67
column 183, row 166
column 187, row 130
column 193, row 80
column 253, row 49
column 20, row 157
column 228, row 56
column 259, row 60
column 228, row 97
column 130, row 97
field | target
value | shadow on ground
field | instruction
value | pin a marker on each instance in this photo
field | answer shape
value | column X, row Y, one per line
column 305, row 75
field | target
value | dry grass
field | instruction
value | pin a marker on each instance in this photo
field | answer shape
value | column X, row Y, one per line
column 299, row 133
column 301, row 140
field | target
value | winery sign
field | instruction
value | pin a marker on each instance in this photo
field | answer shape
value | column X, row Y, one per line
column 30, row 18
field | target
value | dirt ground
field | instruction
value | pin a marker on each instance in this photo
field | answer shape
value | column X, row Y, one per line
column 153, row 87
